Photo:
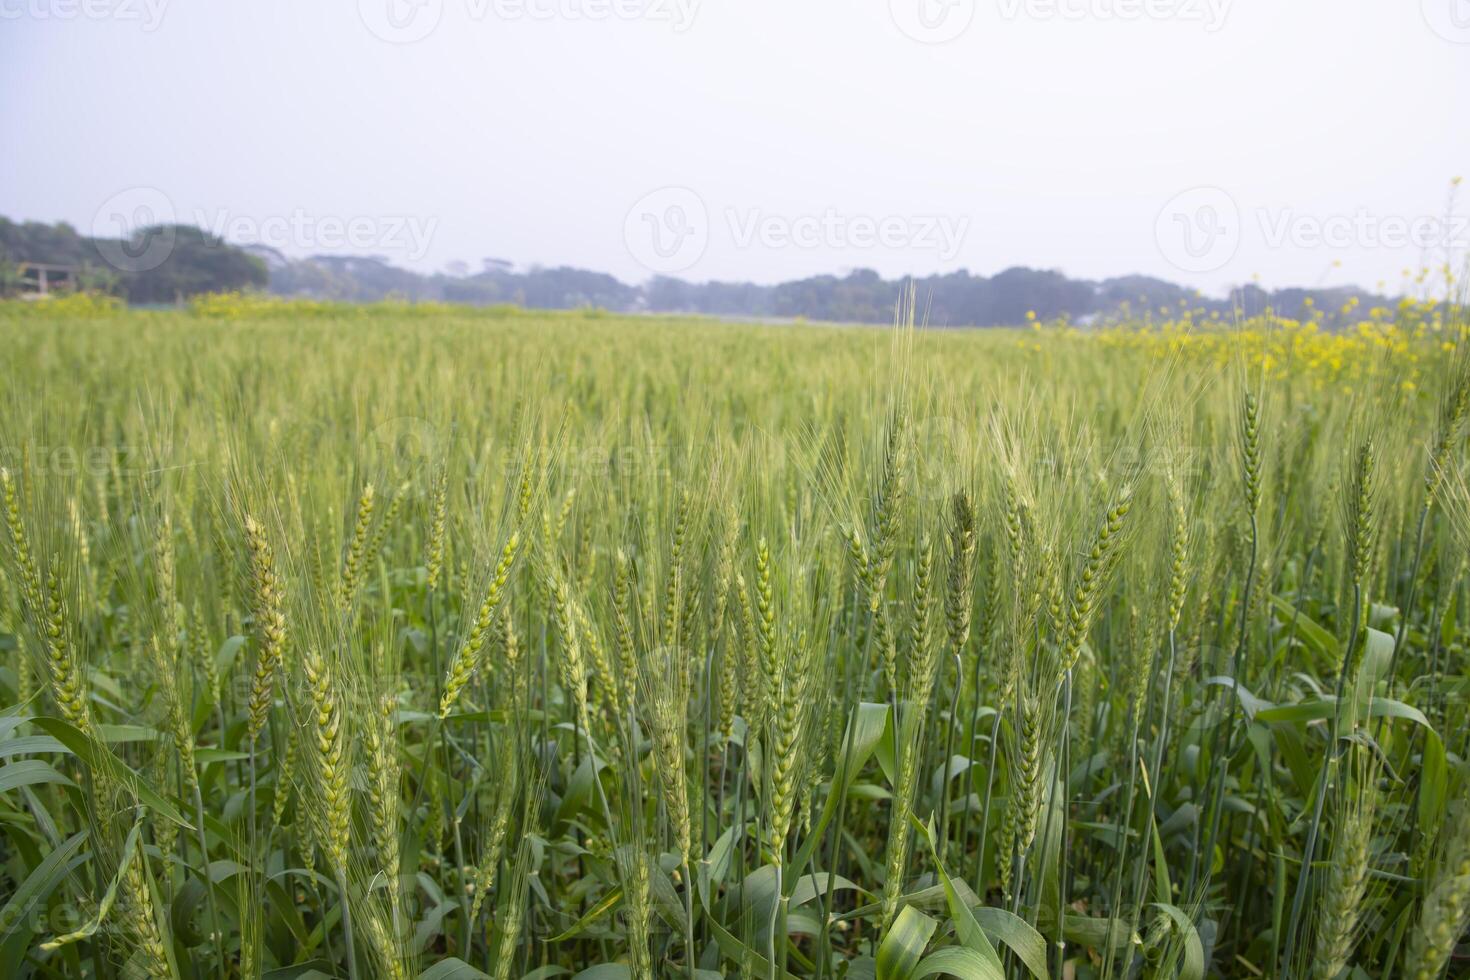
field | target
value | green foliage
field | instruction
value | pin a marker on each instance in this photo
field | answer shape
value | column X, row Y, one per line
column 420, row 642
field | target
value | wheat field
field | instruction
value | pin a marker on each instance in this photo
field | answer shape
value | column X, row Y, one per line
column 412, row 641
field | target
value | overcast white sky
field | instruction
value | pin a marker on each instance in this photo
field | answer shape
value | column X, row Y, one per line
column 1204, row 141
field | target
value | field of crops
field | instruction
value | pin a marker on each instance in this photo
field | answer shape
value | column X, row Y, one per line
column 419, row 642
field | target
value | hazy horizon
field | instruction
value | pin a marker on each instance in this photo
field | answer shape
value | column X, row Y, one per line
column 637, row 137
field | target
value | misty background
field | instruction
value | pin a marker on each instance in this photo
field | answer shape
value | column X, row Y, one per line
column 754, row 158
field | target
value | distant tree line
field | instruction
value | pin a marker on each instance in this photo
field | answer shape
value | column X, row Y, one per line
column 955, row 299
column 158, row 264
column 193, row 261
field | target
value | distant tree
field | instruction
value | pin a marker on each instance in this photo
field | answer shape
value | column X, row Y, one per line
column 97, row 279
column 193, row 262
column 9, row 277
column 158, row 264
